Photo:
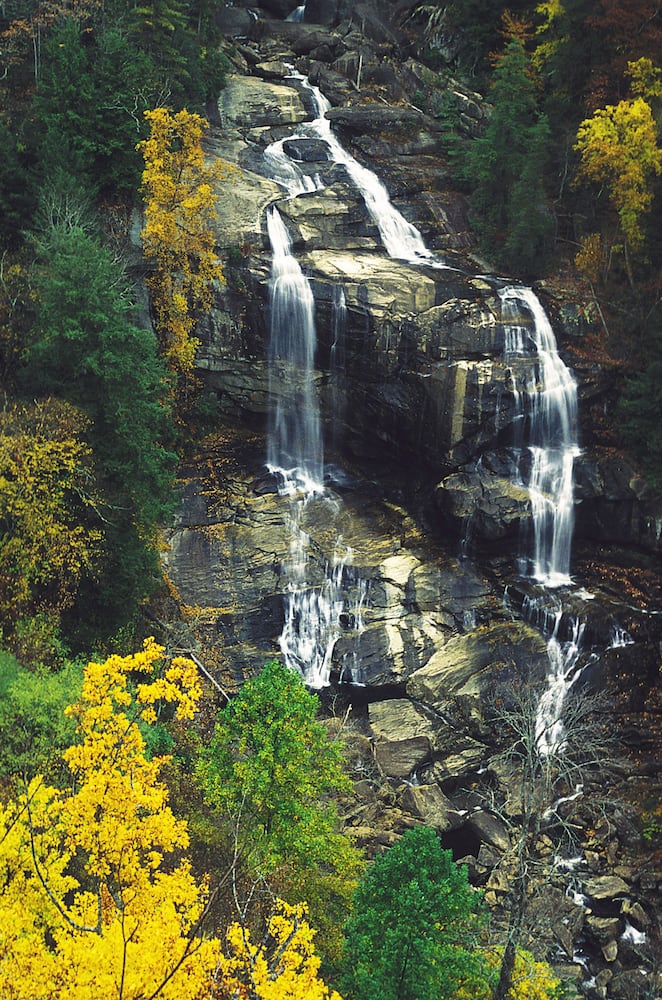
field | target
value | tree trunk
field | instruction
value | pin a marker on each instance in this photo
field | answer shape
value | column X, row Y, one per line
column 514, row 933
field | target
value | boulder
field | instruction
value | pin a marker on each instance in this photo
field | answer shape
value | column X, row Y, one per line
column 401, row 758
column 429, row 804
column 472, row 663
column 606, row 888
column 489, row 829
column 249, row 102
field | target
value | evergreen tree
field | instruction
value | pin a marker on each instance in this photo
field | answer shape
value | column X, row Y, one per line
column 505, row 165
column 92, row 95
column 415, row 916
column 88, row 350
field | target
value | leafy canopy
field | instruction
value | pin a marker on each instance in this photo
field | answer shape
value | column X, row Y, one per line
column 269, row 769
column 48, row 536
column 86, row 348
column 619, row 148
column 88, row 904
column 415, row 915
column 96, row 899
column 179, row 191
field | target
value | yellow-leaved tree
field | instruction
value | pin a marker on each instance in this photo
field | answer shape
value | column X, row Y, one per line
column 95, row 902
column 178, row 186
column 97, row 898
column 283, row 966
column 619, row 148
column 48, row 531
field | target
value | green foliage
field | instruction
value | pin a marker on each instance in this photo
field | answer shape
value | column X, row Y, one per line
column 87, row 350
column 16, row 189
column 415, row 916
column 35, row 730
column 90, row 104
column 505, row 167
column 269, row 769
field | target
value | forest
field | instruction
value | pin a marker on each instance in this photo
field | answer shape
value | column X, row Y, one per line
column 157, row 837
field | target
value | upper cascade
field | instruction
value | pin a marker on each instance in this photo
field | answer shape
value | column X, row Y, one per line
column 401, row 239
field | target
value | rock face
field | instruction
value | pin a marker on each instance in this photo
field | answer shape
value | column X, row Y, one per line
column 415, row 393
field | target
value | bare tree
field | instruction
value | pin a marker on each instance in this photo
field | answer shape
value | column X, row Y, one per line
column 551, row 763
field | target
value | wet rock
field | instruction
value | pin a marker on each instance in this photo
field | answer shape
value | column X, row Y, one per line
column 603, row 929
column 489, row 829
column 469, row 664
column 401, row 758
column 606, row 888
column 429, row 804
column 249, row 102
column 398, row 719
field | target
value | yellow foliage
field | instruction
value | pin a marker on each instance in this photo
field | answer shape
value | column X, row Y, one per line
column 285, row 967
column 591, row 260
column 645, row 79
column 531, row 980
column 45, row 501
column 89, row 910
column 618, row 147
column 96, row 900
column 179, row 191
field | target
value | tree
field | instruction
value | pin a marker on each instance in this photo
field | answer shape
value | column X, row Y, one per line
column 270, row 768
column 618, row 148
column 415, row 916
column 639, row 408
column 94, row 902
column 92, row 94
column 549, row 755
column 86, row 348
column 284, row 964
column 48, row 537
column 509, row 212
column 35, row 730
column 179, row 192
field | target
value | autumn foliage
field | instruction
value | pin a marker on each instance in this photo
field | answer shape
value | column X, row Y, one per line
column 47, row 539
column 179, row 191
column 97, row 898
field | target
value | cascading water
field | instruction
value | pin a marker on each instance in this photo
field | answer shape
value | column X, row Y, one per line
column 401, row 239
column 313, row 612
column 547, row 406
column 295, row 438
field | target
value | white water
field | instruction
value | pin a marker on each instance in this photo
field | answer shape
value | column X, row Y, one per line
column 401, row 239
column 563, row 659
column 295, row 433
column 313, row 612
column 547, row 405
column 298, row 14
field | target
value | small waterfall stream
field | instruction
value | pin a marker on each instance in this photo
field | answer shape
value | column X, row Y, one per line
column 546, row 418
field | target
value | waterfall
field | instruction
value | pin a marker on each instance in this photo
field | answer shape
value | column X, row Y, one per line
column 298, row 14
column 547, row 406
column 401, row 239
column 295, row 435
column 563, row 658
column 313, row 610
column 546, row 447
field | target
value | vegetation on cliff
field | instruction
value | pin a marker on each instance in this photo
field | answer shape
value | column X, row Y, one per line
column 104, row 888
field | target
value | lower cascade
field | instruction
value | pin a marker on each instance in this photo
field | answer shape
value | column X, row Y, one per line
column 548, row 421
